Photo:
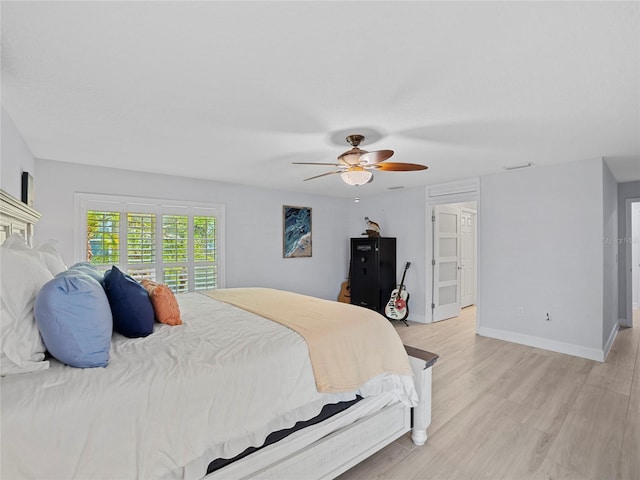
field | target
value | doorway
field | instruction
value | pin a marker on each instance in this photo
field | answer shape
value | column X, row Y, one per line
column 454, row 259
column 634, row 240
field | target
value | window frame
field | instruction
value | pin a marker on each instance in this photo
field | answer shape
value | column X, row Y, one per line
column 83, row 202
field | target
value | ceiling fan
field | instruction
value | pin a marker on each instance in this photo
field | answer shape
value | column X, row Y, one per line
column 356, row 166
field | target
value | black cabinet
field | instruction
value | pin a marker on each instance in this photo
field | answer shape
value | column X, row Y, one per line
column 373, row 271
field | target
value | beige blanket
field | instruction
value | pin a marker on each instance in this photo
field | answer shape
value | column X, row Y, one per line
column 348, row 345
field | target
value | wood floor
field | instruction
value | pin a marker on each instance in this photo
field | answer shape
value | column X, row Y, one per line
column 507, row 411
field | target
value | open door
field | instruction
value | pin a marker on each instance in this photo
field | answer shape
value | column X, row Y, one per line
column 635, row 259
column 468, row 253
column 446, row 268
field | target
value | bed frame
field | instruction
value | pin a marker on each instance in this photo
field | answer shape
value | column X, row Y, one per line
column 344, row 448
column 325, row 458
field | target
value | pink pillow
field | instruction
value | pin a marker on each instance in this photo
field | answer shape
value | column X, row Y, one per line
column 165, row 304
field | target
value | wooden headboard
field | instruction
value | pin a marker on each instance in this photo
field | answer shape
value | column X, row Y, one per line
column 16, row 217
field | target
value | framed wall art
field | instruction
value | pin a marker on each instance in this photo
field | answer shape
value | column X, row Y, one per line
column 296, row 232
column 27, row 189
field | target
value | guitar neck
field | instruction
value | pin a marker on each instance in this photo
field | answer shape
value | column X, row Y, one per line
column 406, row 267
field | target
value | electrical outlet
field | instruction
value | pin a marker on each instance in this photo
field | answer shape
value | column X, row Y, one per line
column 548, row 319
column 520, row 311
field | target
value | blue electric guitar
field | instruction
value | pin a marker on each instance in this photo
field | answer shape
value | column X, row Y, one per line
column 397, row 307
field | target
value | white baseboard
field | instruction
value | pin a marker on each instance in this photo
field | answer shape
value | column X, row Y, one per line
column 545, row 344
column 612, row 337
column 417, row 318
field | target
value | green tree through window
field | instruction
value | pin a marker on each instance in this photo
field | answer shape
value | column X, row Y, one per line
column 103, row 237
column 182, row 254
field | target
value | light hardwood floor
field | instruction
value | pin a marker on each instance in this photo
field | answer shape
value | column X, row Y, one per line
column 507, row 411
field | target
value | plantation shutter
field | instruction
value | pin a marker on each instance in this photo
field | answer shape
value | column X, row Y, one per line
column 173, row 244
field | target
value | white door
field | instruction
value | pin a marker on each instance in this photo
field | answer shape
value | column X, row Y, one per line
column 635, row 254
column 446, row 271
column 467, row 258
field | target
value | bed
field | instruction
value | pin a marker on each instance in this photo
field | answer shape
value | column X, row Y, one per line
column 172, row 404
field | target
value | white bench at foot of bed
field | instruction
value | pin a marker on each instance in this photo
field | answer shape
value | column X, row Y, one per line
column 336, row 452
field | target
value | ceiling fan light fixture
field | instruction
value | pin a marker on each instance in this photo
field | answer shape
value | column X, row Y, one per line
column 355, row 165
column 356, row 176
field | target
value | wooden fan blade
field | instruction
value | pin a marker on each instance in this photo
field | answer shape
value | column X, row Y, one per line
column 324, row 174
column 399, row 167
column 375, row 157
column 316, row 163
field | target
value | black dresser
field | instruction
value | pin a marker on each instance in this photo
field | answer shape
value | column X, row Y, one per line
column 373, row 271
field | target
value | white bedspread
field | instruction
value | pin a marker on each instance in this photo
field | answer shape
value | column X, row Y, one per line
column 167, row 403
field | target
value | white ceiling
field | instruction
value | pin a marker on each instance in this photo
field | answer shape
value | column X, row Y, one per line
column 236, row 91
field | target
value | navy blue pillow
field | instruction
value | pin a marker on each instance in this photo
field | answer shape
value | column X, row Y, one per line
column 73, row 315
column 130, row 304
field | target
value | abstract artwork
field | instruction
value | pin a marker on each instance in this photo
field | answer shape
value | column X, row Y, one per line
column 296, row 232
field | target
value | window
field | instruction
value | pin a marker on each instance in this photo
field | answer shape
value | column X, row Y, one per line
column 169, row 242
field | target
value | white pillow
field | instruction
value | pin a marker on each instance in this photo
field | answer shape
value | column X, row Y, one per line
column 16, row 242
column 51, row 258
column 21, row 277
column 45, row 253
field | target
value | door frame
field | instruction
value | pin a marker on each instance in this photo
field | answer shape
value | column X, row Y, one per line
column 454, row 192
column 474, row 215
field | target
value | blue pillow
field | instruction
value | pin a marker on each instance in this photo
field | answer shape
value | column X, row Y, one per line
column 73, row 315
column 92, row 271
column 130, row 304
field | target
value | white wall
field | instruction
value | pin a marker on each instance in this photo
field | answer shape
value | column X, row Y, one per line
column 541, row 234
column 400, row 214
column 541, row 229
column 610, row 257
column 253, row 223
column 16, row 157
